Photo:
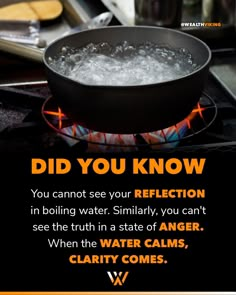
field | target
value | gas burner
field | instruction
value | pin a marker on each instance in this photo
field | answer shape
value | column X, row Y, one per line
column 201, row 117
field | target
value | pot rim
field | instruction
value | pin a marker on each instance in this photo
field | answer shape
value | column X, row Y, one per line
column 100, row 86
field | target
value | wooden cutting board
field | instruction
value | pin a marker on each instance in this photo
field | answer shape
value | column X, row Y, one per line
column 32, row 10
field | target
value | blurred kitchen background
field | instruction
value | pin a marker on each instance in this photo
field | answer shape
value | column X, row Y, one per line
column 185, row 15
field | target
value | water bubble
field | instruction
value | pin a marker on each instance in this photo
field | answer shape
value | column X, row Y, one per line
column 183, row 50
column 123, row 64
column 125, row 44
column 142, row 52
column 64, row 50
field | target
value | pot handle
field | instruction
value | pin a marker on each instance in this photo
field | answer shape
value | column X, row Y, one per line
column 27, row 52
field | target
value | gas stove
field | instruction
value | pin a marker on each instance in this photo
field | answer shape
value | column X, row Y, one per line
column 201, row 117
column 31, row 120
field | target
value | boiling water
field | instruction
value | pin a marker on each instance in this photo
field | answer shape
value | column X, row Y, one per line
column 123, row 64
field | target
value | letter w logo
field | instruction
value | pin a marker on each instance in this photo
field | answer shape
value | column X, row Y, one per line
column 117, row 278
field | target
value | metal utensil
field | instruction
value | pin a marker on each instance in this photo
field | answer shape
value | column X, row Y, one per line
column 101, row 20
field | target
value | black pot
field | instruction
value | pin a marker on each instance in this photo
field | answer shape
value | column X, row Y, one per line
column 130, row 109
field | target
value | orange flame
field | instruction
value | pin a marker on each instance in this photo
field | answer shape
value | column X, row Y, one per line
column 58, row 114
